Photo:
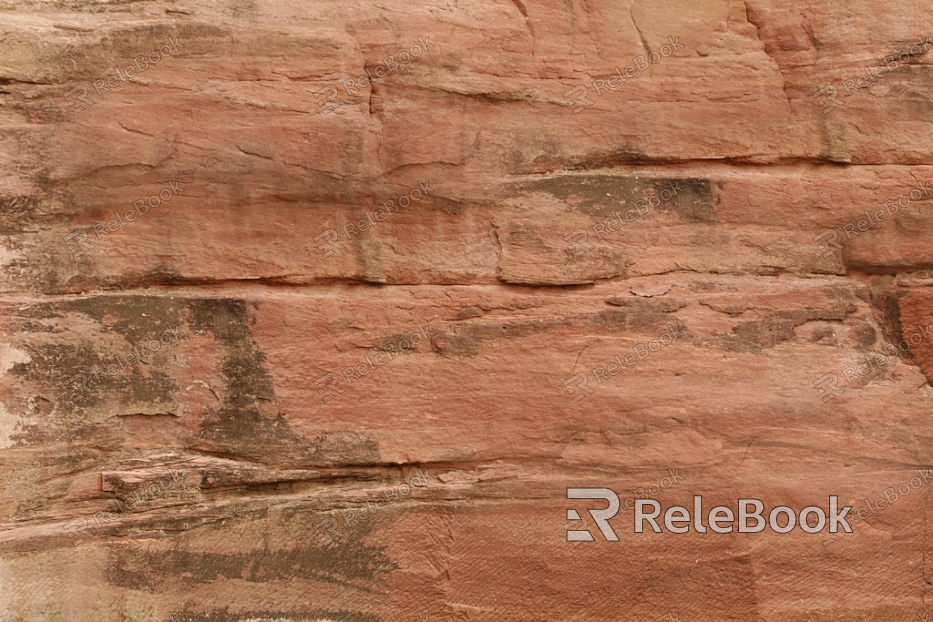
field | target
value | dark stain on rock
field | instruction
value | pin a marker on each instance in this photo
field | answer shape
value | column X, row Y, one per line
column 540, row 155
column 627, row 154
column 468, row 340
column 243, row 426
column 137, row 383
column 52, row 364
column 824, row 336
column 890, row 305
column 662, row 305
column 469, row 312
column 598, row 196
column 766, row 333
column 17, row 214
column 370, row 267
column 136, row 318
column 864, row 333
column 695, row 204
column 835, row 148
column 348, row 561
column 228, row 320
column 643, row 318
column 909, row 312
column 451, row 207
column 249, row 424
column 773, row 329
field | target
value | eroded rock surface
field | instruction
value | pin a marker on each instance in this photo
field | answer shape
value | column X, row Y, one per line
column 279, row 341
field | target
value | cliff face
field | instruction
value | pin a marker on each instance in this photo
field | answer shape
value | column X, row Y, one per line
column 315, row 310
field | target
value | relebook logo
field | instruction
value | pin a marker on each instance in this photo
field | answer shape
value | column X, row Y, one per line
column 720, row 519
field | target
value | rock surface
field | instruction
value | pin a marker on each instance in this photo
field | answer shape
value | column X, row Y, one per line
column 205, row 393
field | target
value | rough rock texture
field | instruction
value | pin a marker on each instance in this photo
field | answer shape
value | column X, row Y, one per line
column 262, row 462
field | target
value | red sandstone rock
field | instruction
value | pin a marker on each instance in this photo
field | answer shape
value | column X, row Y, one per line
column 280, row 430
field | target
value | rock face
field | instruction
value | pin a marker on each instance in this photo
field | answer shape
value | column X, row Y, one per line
column 315, row 310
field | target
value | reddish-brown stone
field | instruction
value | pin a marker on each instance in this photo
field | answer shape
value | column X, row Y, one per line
column 245, row 469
